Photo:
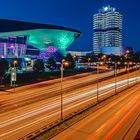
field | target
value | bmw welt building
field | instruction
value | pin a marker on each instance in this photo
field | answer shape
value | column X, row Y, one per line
column 20, row 39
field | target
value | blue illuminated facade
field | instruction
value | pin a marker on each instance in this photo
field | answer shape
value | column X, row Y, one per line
column 107, row 27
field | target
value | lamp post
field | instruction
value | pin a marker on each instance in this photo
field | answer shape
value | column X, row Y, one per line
column 115, row 73
column 89, row 59
column 128, row 74
column 104, row 58
column 127, row 52
column 62, row 75
column 109, row 59
column 97, row 69
column 14, row 78
column 74, row 57
column 136, row 73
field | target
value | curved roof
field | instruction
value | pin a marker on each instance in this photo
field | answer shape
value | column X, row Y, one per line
column 39, row 35
column 7, row 25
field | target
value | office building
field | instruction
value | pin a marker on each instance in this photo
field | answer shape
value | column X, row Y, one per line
column 107, row 31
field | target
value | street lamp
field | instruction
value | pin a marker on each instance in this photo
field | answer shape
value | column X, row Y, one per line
column 109, row 59
column 128, row 74
column 74, row 57
column 127, row 51
column 63, row 63
column 115, row 73
column 127, row 54
column 101, row 63
column 136, row 73
column 89, row 59
column 97, row 69
column 104, row 58
column 15, row 62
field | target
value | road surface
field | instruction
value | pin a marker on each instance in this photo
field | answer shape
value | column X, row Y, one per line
column 114, row 121
column 32, row 93
column 40, row 91
column 23, row 120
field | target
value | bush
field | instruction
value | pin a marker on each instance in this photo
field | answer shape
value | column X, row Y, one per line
column 38, row 66
column 4, row 66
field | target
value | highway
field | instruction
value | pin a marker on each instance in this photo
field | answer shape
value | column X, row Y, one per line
column 43, row 90
column 19, row 122
column 113, row 121
column 39, row 91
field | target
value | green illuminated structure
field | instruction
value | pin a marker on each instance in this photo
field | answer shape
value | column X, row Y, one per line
column 38, row 35
column 41, row 38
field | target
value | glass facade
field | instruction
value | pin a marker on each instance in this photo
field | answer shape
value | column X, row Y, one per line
column 12, row 47
column 19, row 39
column 107, row 27
column 14, row 44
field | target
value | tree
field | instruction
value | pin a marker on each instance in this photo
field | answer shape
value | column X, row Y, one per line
column 38, row 66
column 52, row 63
column 4, row 66
column 71, row 61
column 114, row 58
column 136, row 56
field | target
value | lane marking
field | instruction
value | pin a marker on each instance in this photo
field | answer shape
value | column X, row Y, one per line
column 56, row 104
column 118, row 125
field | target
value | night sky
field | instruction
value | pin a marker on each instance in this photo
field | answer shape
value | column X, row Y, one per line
column 76, row 14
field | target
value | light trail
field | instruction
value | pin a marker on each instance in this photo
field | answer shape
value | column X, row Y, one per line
column 124, row 118
column 49, row 116
column 96, row 127
column 56, row 104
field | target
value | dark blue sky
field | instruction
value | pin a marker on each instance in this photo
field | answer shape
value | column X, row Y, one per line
column 76, row 14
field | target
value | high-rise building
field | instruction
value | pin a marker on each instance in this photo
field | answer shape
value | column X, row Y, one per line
column 107, row 27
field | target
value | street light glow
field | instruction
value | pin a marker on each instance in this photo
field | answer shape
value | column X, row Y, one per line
column 127, row 51
column 118, row 63
column 15, row 62
column 101, row 63
column 125, row 63
column 66, row 63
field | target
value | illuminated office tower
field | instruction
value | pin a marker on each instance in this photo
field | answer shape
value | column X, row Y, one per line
column 107, row 27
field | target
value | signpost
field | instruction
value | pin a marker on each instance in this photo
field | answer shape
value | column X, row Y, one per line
column 14, row 74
